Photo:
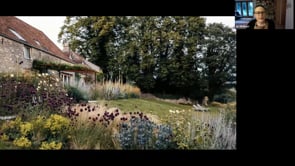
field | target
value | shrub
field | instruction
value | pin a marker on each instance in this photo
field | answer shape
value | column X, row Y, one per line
column 217, row 104
column 192, row 130
column 76, row 94
column 40, row 132
column 51, row 146
column 141, row 133
column 225, row 97
column 22, row 142
column 93, row 127
column 115, row 90
column 91, row 136
column 224, row 135
column 31, row 94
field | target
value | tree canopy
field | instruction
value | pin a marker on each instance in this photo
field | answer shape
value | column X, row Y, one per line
column 178, row 55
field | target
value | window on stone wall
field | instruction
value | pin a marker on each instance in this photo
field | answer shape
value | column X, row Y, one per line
column 65, row 79
column 27, row 53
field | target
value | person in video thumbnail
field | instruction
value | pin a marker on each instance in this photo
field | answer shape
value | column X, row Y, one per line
column 260, row 21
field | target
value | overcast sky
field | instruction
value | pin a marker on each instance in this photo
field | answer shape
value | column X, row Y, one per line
column 51, row 25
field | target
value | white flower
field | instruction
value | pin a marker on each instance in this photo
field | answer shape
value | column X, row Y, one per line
column 11, row 75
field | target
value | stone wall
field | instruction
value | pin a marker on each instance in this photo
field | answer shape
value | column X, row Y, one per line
column 11, row 53
column 13, row 60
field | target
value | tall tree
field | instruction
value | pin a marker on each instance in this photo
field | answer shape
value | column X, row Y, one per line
column 166, row 54
column 219, row 57
column 183, row 62
column 88, row 35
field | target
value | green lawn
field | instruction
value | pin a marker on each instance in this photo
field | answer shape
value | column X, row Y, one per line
column 151, row 106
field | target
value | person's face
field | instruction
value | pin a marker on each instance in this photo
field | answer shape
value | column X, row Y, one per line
column 259, row 14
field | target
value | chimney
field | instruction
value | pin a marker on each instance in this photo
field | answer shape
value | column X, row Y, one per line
column 66, row 47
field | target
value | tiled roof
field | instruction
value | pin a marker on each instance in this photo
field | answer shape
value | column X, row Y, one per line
column 92, row 66
column 38, row 39
column 31, row 35
column 78, row 59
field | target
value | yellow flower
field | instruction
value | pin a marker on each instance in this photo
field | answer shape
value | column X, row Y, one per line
column 25, row 128
column 38, row 121
column 22, row 142
column 4, row 137
column 56, row 123
column 51, row 146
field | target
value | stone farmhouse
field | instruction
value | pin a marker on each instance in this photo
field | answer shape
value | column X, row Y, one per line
column 21, row 44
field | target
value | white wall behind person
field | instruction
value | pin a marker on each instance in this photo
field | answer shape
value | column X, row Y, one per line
column 289, row 14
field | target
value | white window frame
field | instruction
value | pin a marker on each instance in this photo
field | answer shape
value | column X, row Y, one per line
column 27, row 52
column 65, row 79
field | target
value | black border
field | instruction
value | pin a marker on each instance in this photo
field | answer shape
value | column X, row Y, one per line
column 129, row 8
column 189, row 8
column 264, row 79
column 107, row 157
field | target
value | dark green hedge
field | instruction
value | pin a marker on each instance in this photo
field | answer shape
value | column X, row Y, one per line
column 43, row 66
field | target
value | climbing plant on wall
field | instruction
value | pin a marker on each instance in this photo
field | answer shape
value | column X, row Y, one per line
column 43, row 66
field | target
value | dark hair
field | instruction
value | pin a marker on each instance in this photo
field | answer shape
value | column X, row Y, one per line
column 259, row 6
